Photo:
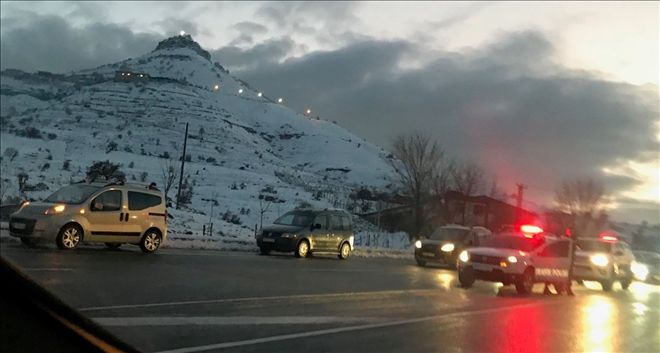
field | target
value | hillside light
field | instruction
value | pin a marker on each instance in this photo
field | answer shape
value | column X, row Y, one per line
column 216, row 87
column 308, row 111
column 259, row 94
column 182, row 33
column 240, row 91
column 280, row 100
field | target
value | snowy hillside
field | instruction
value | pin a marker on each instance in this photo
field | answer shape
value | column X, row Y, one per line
column 241, row 144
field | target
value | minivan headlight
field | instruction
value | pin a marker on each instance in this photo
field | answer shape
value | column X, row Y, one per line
column 288, row 235
column 55, row 209
column 464, row 256
column 599, row 260
column 418, row 244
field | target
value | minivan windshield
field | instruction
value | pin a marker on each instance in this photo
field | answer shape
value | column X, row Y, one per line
column 593, row 246
column 72, row 194
column 449, row 234
column 295, row 218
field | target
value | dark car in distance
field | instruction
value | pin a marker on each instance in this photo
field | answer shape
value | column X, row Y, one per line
column 446, row 242
column 309, row 231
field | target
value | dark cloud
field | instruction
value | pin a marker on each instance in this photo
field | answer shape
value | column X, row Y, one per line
column 636, row 211
column 265, row 53
column 172, row 26
column 509, row 106
column 250, row 28
column 50, row 43
column 309, row 17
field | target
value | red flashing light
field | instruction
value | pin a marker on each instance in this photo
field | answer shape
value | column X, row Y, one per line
column 608, row 238
column 568, row 232
column 529, row 229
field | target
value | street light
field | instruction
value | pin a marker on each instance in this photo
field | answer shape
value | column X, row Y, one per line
column 182, row 33
column 308, row 111
column 216, row 87
column 280, row 100
column 259, row 94
column 240, row 91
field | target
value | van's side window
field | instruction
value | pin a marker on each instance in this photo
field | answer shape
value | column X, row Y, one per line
column 335, row 222
column 346, row 223
column 140, row 200
column 107, row 201
column 322, row 220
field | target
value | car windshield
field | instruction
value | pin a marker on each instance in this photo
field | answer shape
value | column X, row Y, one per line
column 449, row 234
column 593, row 246
column 72, row 194
column 295, row 218
column 513, row 242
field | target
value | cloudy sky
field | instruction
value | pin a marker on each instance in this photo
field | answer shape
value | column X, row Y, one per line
column 535, row 92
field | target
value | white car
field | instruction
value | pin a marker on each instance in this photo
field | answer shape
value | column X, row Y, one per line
column 605, row 259
column 521, row 258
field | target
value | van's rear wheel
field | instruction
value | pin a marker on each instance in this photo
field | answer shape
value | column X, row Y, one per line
column 150, row 241
column 69, row 237
column 302, row 250
column 113, row 246
column 264, row 250
column 344, row 251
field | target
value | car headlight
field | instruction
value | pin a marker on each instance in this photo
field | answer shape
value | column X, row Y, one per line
column 599, row 260
column 640, row 271
column 418, row 244
column 512, row 259
column 55, row 209
column 449, row 247
column 464, row 256
column 288, row 235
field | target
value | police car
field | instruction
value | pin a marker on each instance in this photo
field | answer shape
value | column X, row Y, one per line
column 605, row 259
column 522, row 257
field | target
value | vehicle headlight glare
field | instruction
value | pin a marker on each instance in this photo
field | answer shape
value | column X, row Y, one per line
column 512, row 259
column 418, row 244
column 55, row 209
column 447, row 247
column 464, row 256
column 640, row 271
column 599, row 260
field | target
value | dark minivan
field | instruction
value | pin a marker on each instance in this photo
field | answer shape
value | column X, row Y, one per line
column 307, row 231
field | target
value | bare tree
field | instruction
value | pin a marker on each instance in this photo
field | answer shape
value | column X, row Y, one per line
column 586, row 201
column 416, row 163
column 168, row 175
column 5, row 184
column 468, row 178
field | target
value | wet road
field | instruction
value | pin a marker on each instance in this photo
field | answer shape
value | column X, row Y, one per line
column 191, row 301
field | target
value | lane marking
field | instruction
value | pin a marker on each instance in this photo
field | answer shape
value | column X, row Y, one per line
column 47, row 269
column 228, row 320
column 247, row 299
column 346, row 329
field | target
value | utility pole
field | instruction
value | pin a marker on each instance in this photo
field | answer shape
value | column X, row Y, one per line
column 519, row 199
column 183, row 162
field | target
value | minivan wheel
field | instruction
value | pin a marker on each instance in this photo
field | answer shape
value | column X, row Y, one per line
column 303, row 249
column 466, row 277
column 112, row 246
column 150, row 241
column 264, row 250
column 525, row 282
column 69, row 237
column 344, row 251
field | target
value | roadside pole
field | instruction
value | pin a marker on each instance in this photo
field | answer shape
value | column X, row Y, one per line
column 183, row 162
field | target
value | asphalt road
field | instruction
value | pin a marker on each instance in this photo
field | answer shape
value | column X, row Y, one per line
column 193, row 300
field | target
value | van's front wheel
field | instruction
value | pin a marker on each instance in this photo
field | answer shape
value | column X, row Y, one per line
column 150, row 241
column 69, row 237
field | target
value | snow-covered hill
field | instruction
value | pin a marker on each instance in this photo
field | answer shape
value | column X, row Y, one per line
column 241, row 144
